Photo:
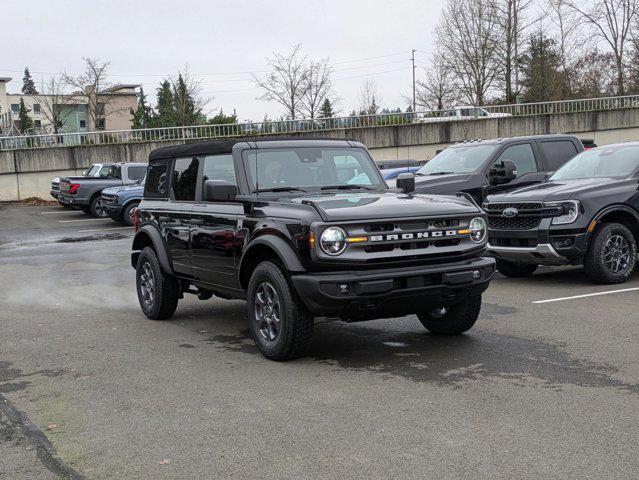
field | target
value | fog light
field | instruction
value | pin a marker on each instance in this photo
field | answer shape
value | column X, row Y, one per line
column 344, row 289
column 476, row 274
column 563, row 243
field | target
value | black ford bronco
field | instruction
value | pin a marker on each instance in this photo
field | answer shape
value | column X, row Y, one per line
column 586, row 213
column 304, row 228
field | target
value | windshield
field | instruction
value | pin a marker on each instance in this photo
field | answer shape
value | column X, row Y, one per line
column 311, row 169
column 458, row 159
column 600, row 163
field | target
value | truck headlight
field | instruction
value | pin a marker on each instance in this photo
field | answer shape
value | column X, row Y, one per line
column 570, row 211
column 333, row 241
column 477, row 229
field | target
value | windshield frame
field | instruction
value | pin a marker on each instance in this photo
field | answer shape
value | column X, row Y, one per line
column 634, row 172
column 314, row 189
column 479, row 168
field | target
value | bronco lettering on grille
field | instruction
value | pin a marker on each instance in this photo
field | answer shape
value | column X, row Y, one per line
column 413, row 236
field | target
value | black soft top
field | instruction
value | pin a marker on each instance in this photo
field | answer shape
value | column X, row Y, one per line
column 226, row 146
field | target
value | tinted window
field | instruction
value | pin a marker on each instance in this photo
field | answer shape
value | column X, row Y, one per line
column 558, row 153
column 184, row 179
column 219, row 167
column 136, row 173
column 522, row 156
column 115, row 171
column 155, row 186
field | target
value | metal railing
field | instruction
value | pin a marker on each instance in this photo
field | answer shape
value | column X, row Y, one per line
column 248, row 129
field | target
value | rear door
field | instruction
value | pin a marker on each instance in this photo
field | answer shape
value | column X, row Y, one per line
column 557, row 152
column 214, row 227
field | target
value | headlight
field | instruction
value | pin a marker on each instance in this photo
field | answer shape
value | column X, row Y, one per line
column 477, row 229
column 570, row 211
column 333, row 241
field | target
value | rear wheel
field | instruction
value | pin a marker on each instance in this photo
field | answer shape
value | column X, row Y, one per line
column 516, row 270
column 158, row 291
column 612, row 254
column 128, row 214
column 452, row 320
column 97, row 208
column 280, row 323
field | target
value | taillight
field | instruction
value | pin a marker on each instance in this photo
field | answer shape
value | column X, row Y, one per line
column 73, row 188
column 135, row 220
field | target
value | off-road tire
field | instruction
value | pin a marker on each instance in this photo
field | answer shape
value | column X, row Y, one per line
column 94, row 208
column 127, row 213
column 458, row 319
column 296, row 322
column 594, row 264
column 167, row 288
column 516, row 270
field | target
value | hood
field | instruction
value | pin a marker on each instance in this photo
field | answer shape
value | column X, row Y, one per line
column 439, row 184
column 118, row 189
column 380, row 205
column 558, row 190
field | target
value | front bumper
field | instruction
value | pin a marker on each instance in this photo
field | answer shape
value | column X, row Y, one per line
column 366, row 295
column 113, row 210
column 542, row 254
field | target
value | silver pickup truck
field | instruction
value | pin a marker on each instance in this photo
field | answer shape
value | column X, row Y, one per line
column 85, row 192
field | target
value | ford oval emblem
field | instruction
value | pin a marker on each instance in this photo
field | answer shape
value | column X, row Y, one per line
column 510, row 212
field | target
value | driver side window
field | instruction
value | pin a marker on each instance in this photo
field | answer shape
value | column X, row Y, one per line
column 522, row 156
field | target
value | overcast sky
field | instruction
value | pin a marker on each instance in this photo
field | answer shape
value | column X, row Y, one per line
column 146, row 40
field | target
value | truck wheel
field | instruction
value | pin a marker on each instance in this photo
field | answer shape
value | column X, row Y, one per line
column 516, row 270
column 157, row 291
column 96, row 209
column 611, row 255
column 452, row 320
column 280, row 323
column 128, row 213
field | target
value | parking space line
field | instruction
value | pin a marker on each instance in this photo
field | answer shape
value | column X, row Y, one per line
column 103, row 229
column 84, row 220
column 61, row 211
column 587, row 295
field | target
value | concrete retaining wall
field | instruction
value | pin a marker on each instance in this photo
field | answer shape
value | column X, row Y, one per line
column 28, row 173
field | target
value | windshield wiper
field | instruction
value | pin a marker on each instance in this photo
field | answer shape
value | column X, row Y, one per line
column 280, row 189
column 346, row 187
column 440, row 173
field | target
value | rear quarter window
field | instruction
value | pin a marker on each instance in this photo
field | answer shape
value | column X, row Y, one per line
column 156, row 185
column 557, row 153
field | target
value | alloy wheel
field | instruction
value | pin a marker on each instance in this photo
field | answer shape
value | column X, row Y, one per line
column 267, row 311
column 147, row 284
column 616, row 254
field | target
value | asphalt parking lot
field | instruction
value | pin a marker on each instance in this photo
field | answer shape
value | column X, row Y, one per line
column 545, row 386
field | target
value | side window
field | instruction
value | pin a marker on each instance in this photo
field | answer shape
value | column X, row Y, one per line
column 115, row 171
column 183, row 179
column 558, row 153
column 136, row 173
column 219, row 167
column 156, row 184
column 522, row 156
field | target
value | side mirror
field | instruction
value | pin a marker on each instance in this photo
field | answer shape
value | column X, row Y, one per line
column 406, row 181
column 219, row 191
column 504, row 173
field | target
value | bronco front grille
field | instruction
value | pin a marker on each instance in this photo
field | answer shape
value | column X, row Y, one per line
column 109, row 198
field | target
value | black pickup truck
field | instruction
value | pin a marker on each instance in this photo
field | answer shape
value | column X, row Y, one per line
column 585, row 213
column 482, row 167
column 304, row 228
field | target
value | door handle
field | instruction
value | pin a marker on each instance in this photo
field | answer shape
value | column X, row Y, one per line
column 164, row 218
column 196, row 221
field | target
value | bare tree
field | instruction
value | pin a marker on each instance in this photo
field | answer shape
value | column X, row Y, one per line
column 369, row 98
column 438, row 90
column 93, row 87
column 612, row 21
column 318, row 87
column 54, row 102
column 468, row 36
column 287, row 82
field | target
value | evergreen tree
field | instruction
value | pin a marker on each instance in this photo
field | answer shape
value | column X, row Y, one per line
column 142, row 115
column 186, row 112
column 223, row 119
column 541, row 68
column 326, row 111
column 28, row 87
column 165, row 111
column 25, row 123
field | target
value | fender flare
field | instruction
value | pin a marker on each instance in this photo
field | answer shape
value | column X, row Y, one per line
column 611, row 209
column 158, row 245
column 282, row 249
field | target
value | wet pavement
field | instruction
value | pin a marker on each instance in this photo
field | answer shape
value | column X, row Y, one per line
column 89, row 388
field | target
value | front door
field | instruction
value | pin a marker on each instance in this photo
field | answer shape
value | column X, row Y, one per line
column 526, row 165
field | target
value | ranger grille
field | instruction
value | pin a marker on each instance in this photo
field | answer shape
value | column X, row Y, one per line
column 517, row 223
column 529, row 215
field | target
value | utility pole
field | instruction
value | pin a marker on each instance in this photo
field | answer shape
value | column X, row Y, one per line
column 414, row 98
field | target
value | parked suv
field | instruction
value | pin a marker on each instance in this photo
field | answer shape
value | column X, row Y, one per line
column 586, row 213
column 120, row 202
column 481, row 167
column 85, row 192
column 304, row 228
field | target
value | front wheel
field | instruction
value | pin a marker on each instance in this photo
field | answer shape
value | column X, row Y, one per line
column 611, row 255
column 516, row 270
column 452, row 320
column 158, row 291
column 280, row 323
